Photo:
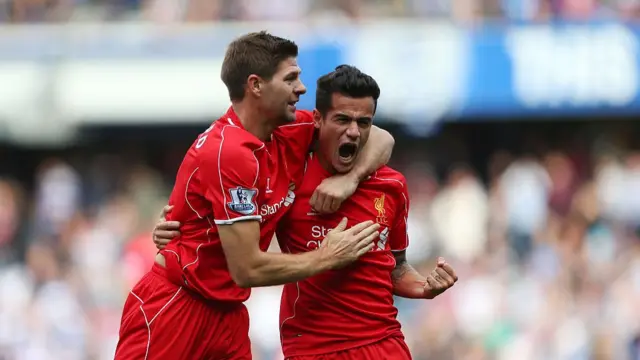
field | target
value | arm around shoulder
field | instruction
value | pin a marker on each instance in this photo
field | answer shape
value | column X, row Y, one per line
column 375, row 153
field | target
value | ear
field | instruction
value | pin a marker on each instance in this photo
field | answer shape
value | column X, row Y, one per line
column 254, row 84
column 317, row 118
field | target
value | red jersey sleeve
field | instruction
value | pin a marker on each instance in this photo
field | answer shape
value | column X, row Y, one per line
column 230, row 179
column 300, row 134
column 399, row 236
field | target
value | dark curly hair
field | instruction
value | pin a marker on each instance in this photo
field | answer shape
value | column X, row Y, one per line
column 346, row 80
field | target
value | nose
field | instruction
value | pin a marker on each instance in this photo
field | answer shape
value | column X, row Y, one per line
column 301, row 89
column 353, row 131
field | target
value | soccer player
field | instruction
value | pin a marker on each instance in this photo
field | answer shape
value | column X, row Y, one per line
column 235, row 183
column 349, row 313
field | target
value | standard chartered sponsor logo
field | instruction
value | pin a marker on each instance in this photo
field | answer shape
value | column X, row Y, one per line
column 319, row 232
column 267, row 209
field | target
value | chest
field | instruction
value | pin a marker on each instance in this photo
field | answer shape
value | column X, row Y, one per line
column 275, row 183
column 304, row 229
column 365, row 204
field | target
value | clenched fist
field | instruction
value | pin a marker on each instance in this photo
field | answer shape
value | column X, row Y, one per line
column 439, row 279
column 331, row 192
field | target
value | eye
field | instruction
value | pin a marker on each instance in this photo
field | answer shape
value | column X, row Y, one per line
column 364, row 123
column 291, row 78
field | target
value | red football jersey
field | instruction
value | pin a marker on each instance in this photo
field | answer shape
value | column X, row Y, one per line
column 229, row 175
column 351, row 307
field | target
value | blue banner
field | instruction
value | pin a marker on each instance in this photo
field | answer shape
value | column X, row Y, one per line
column 504, row 71
column 552, row 70
column 316, row 61
column 427, row 72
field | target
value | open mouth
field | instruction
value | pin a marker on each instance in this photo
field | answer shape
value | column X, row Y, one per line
column 292, row 104
column 347, row 151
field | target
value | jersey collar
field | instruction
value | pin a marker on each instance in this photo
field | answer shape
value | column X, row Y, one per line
column 232, row 118
column 314, row 163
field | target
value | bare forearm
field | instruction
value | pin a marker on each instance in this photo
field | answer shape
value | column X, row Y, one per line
column 407, row 282
column 375, row 153
column 276, row 269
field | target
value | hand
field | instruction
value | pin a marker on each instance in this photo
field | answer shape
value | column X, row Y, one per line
column 342, row 247
column 331, row 192
column 165, row 230
column 440, row 279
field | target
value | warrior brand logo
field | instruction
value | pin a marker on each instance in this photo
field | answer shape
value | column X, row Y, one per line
column 267, row 209
column 382, row 239
column 268, row 191
column 242, row 200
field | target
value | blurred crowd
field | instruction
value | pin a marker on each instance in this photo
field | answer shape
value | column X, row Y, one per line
column 467, row 12
column 545, row 244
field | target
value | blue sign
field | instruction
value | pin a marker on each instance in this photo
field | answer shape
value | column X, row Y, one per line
column 427, row 72
column 553, row 70
column 316, row 61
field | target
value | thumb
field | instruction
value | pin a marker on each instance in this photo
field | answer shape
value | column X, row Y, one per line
column 441, row 261
column 167, row 209
column 342, row 225
column 314, row 197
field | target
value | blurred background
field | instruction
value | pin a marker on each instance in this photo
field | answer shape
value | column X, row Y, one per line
column 516, row 125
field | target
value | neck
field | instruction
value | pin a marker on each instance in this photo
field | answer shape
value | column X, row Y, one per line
column 325, row 163
column 253, row 121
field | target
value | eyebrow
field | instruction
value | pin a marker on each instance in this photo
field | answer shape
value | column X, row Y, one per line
column 345, row 116
column 342, row 116
column 293, row 73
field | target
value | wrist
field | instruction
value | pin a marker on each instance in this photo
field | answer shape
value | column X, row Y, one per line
column 356, row 175
column 322, row 260
column 428, row 295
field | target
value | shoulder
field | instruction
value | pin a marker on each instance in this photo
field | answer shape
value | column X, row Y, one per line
column 304, row 120
column 391, row 180
column 235, row 137
column 390, row 176
column 303, row 117
column 230, row 143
